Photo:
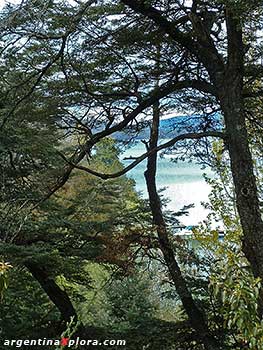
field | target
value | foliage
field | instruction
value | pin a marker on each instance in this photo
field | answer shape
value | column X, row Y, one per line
column 235, row 290
column 71, row 329
column 75, row 73
column 4, row 267
column 129, row 302
column 88, row 221
column 26, row 311
column 239, row 291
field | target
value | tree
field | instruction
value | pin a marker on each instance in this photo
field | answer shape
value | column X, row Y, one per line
column 226, row 76
column 231, row 278
column 202, row 56
column 59, row 238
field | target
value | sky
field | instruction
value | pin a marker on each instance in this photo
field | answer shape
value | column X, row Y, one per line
column 2, row 2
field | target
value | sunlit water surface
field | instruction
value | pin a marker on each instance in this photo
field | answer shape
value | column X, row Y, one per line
column 183, row 182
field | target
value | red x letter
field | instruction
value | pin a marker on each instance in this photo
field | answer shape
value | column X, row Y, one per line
column 64, row 341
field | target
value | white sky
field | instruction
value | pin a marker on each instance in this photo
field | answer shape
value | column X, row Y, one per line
column 2, row 2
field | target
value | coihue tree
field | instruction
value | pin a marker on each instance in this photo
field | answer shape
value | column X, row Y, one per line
column 56, row 240
column 105, row 64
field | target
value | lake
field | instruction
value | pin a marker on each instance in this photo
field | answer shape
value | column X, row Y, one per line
column 183, row 182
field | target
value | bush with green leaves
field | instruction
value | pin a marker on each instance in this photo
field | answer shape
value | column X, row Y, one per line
column 234, row 289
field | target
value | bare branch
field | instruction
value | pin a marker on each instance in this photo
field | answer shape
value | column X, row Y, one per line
column 163, row 91
column 147, row 154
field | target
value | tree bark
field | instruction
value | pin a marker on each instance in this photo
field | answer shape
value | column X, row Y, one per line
column 247, row 201
column 244, row 180
column 195, row 315
column 57, row 295
column 232, row 103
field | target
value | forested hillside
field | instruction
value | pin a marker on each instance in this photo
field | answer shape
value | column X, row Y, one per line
column 85, row 260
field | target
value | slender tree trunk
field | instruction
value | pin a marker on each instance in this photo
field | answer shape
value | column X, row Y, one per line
column 195, row 315
column 58, row 296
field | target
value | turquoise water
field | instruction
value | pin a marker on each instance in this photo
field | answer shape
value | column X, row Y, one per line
column 183, row 182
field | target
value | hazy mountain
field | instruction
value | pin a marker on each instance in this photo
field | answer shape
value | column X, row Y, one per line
column 173, row 126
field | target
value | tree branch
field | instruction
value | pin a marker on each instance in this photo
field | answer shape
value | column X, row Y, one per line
column 163, row 91
column 204, row 49
column 147, row 154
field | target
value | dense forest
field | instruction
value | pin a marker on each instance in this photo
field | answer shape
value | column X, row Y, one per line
column 86, row 260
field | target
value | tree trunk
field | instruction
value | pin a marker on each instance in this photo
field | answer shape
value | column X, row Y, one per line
column 195, row 315
column 244, row 180
column 232, row 104
column 58, row 296
column 227, row 80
